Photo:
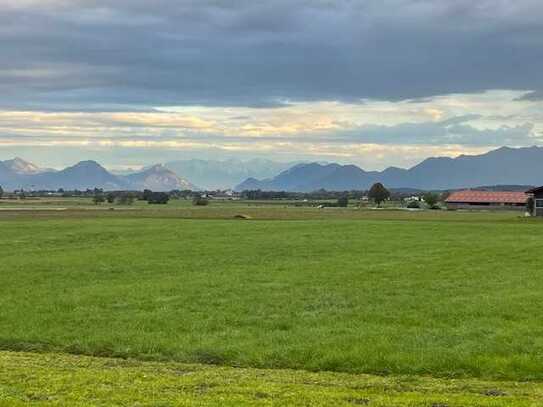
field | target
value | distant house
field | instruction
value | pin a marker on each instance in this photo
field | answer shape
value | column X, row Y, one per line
column 537, row 194
column 471, row 199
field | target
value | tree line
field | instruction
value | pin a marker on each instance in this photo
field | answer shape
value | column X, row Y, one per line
column 378, row 194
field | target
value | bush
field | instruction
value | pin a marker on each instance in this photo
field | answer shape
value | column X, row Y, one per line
column 200, row 201
column 146, row 194
column 343, row 201
column 98, row 199
column 161, row 198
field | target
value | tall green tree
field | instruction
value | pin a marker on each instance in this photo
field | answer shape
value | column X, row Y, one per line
column 1, row 191
column 431, row 199
column 378, row 193
column 530, row 205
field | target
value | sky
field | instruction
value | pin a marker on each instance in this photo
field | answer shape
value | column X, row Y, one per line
column 377, row 83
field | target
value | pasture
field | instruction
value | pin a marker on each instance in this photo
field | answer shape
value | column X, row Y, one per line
column 430, row 294
column 65, row 380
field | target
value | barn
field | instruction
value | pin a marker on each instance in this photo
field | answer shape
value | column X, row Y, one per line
column 537, row 195
column 472, row 199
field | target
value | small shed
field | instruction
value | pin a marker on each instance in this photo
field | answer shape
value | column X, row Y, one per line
column 537, row 195
column 473, row 199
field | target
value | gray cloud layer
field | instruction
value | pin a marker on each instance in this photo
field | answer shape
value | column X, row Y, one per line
column 432, row 133
column 109, row 54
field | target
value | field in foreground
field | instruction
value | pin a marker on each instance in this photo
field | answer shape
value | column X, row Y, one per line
column 54, row 379
column 440, row 298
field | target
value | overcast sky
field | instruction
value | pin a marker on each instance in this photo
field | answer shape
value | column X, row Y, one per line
column 372, row 82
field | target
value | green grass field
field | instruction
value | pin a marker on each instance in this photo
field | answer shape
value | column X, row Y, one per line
column 401, row 294
column 63, row 380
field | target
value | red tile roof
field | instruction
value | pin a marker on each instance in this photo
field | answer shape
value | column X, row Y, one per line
column 470, row 196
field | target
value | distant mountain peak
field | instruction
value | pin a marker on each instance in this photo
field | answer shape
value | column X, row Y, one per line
column 19, row 160
column 158, row 178
column 157, row 168
column 88, row 164
column 22, row 167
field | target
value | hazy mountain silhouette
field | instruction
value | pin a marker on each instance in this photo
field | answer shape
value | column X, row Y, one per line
column 504, row 166
column 83, row 175
column 213, row 174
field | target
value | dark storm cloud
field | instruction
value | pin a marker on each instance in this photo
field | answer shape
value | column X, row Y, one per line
column 92, row 54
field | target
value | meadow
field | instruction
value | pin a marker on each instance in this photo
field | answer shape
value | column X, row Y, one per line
column 430, row 294
column 66, row 380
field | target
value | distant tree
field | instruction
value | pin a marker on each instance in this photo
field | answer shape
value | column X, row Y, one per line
column 378, row 193
column 158, row 198
column 125, row 199
column 110, row 198
column 98, row 198
column 147, row 193
column 431, row 200
column 343, row 201
column 1, row 192
column 530, row 205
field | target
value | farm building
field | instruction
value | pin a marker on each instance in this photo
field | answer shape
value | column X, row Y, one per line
column 471, row 199
column 537, row 194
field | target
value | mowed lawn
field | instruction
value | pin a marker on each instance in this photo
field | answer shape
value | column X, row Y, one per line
column 367, row 296
column 80, row 381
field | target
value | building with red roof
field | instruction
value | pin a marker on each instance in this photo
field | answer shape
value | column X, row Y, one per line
column 472, row 199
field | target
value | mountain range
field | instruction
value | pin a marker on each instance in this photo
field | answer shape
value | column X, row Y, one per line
column 512, row 166
column 18, row 173
column 214, row 174
column 504, row 166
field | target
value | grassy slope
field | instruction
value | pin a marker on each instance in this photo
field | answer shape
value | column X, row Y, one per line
column 52, row 379
column 434, row 297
